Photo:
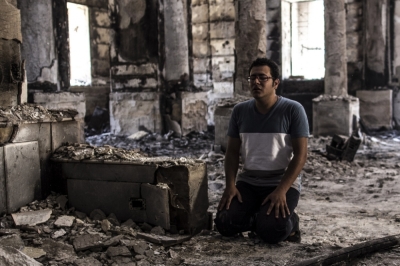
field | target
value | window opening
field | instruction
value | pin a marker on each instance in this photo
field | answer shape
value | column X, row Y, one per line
column 79, row 44
column 303, row 43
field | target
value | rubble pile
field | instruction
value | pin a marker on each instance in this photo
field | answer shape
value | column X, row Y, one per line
column 31, row 113
column 77, row 152
column 52, row 234
column 192, row 145
column 230, row 102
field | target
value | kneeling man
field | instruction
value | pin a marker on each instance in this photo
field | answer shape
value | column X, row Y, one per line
column 270, row 132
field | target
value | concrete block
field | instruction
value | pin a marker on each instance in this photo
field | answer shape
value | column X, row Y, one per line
column 40, row 132
column 194, row 112
column 110, row 197
column 21, row 174
column 222, row 117
column 201, row 65
column 223, row 68
column 157, row 205
column 103, row 35
column 376, row 108
column 200, row 31
column 109, row 172
column 201, row 80
column 222, row 47
column 101, row 18
column 396, row 109
column 190, row 186
column 62, row 100
column 226, row 11
column 332, row 117
column 3, row 199
column 222, row 30
column 135, row 70
column 200, row 14
column 201, row 48
column 131, row 112
column 141, row 83
column 67, row 131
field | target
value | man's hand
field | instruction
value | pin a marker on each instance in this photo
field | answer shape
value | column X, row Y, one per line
column 229, row 194
column 278, row 201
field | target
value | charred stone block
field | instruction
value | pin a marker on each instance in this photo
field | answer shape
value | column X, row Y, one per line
column 21, row 172
column 200, row 14
column 225, row 11
column 157, row 204
column 9, row 55
column 376, row 108
column 110, row 197
column 109, row 172
column 190, row 189
column 85, row 242
column 222, row 115
column 68, row 131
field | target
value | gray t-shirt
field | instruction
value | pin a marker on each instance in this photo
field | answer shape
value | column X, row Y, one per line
column 266, row 146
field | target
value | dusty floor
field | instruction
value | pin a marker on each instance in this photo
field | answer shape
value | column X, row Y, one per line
column 341, row 204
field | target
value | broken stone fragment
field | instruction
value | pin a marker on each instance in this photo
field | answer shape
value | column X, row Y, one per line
column 129, row 223
column 12, row 256
column 6, row 232
column 158, row 230
column 166, row 241
column 113, row 241
column 118, row 251
column 138, row 135
column 146, row 227
column 149, row 253
column 58, row 233
column 105, row 225
column 88, row 241
column 126, row 261
column 140, row 247
column 98, row 215
column 113, row 219
column 62, row 201
column 57, row 250
column 34, row 253
column 14, row 241
column 80, row 215
column 90, row 261
column 31, row 218
column 64, row 221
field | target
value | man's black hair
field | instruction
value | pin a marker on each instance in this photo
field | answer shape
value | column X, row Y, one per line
column 267, row 62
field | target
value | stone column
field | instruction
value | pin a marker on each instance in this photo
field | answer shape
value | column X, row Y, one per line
column 38, row 47
column 11, row 74
column 333, row 112
column 376, row 71
column 251, row 39
column 335, row 48
column 176, row 40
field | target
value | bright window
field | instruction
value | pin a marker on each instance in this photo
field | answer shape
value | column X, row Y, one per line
column 79, row 44
column 305, row 55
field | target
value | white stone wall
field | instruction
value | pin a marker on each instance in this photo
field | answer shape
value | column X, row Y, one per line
column 131, row 112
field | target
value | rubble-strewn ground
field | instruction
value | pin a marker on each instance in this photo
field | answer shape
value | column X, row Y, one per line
column 341, row 204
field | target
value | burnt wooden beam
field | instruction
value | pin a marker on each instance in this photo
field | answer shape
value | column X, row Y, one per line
column 60, row 18
column 352, row 252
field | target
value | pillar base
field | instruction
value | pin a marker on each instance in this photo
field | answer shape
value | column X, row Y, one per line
column 376, row 108
column 222, row 117
column 334, row 115
column 62, row 100
column 396, row 109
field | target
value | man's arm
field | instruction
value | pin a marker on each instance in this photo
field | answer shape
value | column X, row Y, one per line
column 278, row 196
column 231, row 168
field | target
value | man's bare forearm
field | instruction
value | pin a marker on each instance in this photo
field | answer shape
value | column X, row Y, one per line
column 293, row 170
column 231, row 168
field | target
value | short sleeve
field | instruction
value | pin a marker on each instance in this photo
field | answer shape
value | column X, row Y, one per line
column 299, row 122
column 233, row 129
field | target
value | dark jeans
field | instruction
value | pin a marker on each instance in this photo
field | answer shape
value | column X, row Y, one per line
column 251, row 216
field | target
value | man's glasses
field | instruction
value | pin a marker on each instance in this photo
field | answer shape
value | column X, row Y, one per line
column 260, row 78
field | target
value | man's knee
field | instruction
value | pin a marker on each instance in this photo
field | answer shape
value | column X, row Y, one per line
column 229, row 223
